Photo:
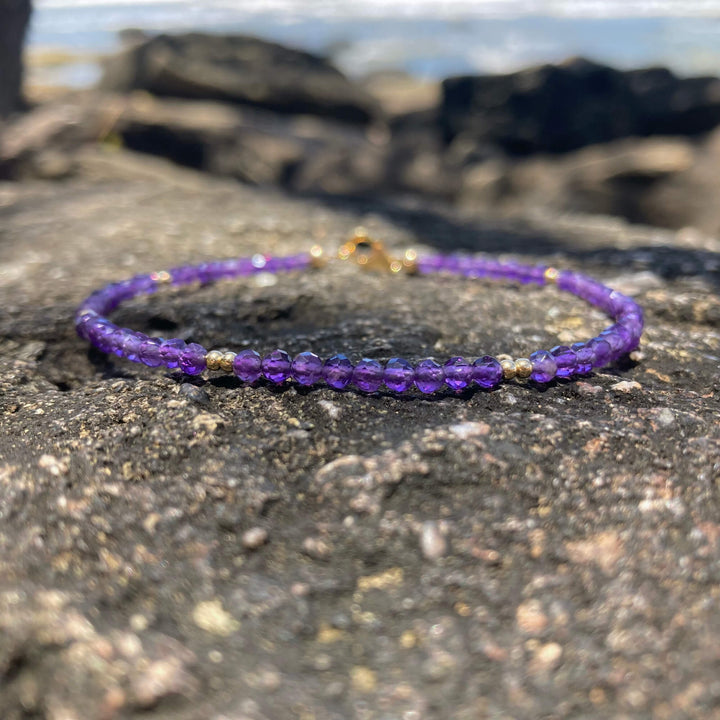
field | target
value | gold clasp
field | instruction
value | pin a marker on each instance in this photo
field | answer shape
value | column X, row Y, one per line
column 371, row 254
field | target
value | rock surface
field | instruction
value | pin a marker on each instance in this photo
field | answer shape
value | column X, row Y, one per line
column 239, row 69
column 181, row 549
column 558, row 108
column 14, row 18
column 576, row 137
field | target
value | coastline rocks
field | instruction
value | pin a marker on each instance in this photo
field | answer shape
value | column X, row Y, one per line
column 14, row 18
column 664, row 181
column 242, row 70
column 576, row 137
column 560, row 108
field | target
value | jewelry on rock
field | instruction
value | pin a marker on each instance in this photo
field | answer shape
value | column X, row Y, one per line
column 368, row 375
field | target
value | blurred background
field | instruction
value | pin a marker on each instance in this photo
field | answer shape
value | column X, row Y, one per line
column 587, row 106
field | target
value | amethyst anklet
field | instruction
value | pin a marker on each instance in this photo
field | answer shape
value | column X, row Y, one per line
column 397, row 374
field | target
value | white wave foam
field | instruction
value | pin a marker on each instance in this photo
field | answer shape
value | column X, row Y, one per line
column 440, row 9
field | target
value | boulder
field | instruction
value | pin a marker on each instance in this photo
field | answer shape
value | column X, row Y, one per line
column 242, row 70
column 560, row 108
column 175, row 547
column 14, row 18
column 665, row 182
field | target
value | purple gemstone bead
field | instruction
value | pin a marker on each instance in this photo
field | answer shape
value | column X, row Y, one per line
column 247, row 366
column 543, row 366
column 183, row 275
column 276, row 366
column 170, row 352
column 458, row 373
column 307, row 368
column 619, row 340
column 487, row 372
column 601, row 351
column 82, row 324
column 399, row 375
column 633, row 323
column 192, row 359
column 150, row 352
column 565, row 359
column 429, row 376
column 100, row 332
column 131, row 345
column 368, row 375
column 116, row 340
column 583, row 358
column 338, row 371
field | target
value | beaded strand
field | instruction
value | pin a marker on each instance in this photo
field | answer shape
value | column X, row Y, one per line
column 368, row 375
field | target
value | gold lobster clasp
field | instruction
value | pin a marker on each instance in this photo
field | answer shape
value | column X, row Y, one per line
column 371, row 254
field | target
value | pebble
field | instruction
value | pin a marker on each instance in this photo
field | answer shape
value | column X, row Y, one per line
column 55, row 466
column 530, row 617
column 316, row 548
column 195, row 393
column 363, row 679
column 432, row 541
column 626, row 386
column 547, row 657
column 210, row 616
column 254, row 538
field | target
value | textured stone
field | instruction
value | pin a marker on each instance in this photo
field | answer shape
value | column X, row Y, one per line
column 529, row 551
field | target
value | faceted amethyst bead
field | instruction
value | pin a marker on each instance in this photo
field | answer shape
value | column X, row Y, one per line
column 583, row 358
column 276, row 366
column 131, row 345
column 487, row 372
column 150, row 352
column 601, row 351
column 399, row 375
column 368, row 375
column 100, row 332
column 619, row 340
column 307, row 368
column 247, row 366
column 458, row 373
column 565, row 359
column 170, row 352
column 429, row 376
column 82, row 323
column 184, row 275
column 192, row 359
column 116, row 340
column 338, row 371
column 633, row 323
column 543, row 366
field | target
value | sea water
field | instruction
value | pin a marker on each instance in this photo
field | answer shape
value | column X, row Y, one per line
column 428, row 38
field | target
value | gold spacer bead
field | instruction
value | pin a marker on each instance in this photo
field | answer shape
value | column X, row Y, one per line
column 508, row 368
column 226, row 361
column 523, row 368
column 409, row 261
column 504, row 356
column 317, row 257
column 551, row 275
column 213, row 359
column 162, row 277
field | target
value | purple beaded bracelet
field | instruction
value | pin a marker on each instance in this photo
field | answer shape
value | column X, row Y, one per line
column 368, row 375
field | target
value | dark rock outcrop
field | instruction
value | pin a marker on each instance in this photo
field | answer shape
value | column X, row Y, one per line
column 183, row 549
column 239, row 69
column 559, row 108
column 666, row 182
column 14, row 18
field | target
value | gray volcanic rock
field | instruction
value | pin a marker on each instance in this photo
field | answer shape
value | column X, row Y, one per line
column 176, row 548
column 558, row 108
column 239, row 69
column 14, row 19
column 670, row 182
